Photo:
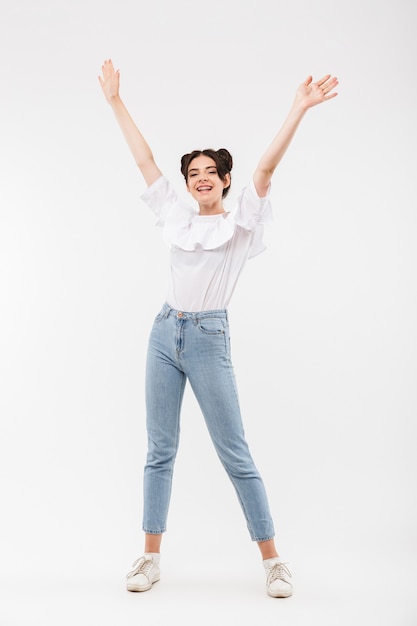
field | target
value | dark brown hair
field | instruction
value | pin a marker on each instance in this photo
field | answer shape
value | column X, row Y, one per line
column 222, row 158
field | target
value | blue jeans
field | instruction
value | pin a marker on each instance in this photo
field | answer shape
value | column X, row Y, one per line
column 196, row 346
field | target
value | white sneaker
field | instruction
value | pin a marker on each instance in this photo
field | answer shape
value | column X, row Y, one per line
column 145, row 573
column 277, row 583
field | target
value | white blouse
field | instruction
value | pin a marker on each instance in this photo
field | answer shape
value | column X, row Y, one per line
column 208, row 252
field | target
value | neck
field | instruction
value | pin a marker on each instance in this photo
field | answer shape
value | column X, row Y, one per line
column 214, row 208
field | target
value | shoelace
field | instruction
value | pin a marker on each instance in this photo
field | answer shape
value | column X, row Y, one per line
column 278, row 571
column 140, row 566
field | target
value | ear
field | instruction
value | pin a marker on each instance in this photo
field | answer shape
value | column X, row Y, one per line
column 226, row 182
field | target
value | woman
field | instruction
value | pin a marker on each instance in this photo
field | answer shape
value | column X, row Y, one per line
column 190, row 336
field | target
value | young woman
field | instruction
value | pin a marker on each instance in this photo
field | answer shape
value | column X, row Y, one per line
column 190, row 335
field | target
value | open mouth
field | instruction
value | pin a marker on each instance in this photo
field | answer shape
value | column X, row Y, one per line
column 204, row 188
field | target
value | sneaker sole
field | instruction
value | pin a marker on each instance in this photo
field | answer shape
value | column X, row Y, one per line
column 131, row 587
column 281, row 595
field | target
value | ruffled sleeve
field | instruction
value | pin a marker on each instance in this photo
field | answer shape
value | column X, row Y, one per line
column 251, row 210
column 251, row 213
column 160, row 198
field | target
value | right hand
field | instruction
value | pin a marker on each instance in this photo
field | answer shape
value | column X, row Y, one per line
column 309, row 94
column 109, row 81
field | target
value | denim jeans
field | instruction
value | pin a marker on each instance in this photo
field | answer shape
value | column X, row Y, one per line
column 196, row 346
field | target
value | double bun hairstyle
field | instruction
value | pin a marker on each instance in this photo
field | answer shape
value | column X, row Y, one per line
column 222, row 158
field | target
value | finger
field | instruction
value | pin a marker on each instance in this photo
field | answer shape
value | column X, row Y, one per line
column 323, row 80
column 329, row 85
column 308, row 80
column 332, row 82
column 107, row 68
column 332, row 85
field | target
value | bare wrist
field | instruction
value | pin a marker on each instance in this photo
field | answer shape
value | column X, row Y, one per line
column 299, row 108
column 114, row 101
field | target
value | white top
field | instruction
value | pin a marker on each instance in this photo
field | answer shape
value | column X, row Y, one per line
column 208, row 252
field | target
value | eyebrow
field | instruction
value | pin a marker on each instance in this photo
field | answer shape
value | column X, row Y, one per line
column 195, row 169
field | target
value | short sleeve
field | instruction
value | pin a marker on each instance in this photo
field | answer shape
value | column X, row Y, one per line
column 160, row 198
column 251, row 210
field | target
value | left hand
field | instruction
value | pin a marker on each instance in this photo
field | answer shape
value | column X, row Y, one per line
column 309, row 94
column 109, row 81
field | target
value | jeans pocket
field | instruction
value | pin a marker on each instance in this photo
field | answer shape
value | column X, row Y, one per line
column 212, row 326
column 160, row 316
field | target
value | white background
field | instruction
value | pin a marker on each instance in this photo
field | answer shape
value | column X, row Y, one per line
column 323, row 323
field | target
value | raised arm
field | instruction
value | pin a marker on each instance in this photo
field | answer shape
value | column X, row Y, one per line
column 142, row 153
column 308, row 95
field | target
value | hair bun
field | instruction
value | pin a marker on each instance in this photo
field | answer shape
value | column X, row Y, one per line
column 226, row 157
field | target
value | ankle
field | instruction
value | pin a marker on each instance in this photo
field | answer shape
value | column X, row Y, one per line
column 268, row 549
column 156, row 556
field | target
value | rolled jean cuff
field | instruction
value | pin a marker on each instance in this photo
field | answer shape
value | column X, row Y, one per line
column 263, row 538
column 261, row 530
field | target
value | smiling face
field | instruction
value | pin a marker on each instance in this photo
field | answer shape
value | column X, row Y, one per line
column 204, row 182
